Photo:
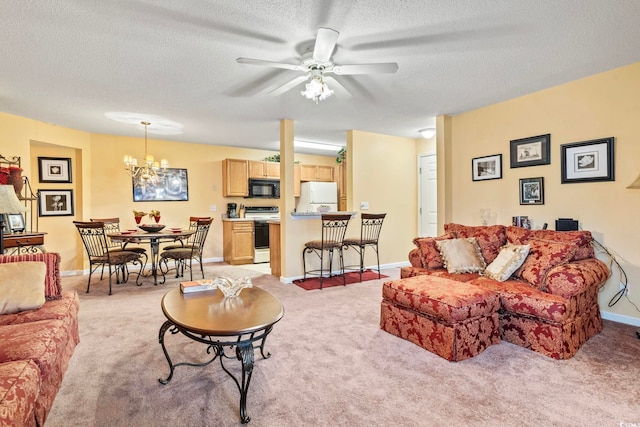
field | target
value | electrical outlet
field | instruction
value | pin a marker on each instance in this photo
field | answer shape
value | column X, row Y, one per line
column 364, row 206
column 213, row 208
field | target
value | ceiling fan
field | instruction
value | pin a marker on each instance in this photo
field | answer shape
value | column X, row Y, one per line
column 317, row 64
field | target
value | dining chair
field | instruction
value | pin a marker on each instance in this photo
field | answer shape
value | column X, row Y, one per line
column 187, row 243
column 189, row 252
column 334, row 227
column 100, row 254
column 370, row 227
column 112, row 225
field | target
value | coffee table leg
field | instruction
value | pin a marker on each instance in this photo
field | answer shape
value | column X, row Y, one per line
column 244, row 353
column 163, row 330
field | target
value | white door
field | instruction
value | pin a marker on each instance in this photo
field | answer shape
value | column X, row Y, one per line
column 428, row 196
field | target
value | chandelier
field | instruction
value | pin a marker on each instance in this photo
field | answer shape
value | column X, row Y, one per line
column 316, row 89
column 149, row 171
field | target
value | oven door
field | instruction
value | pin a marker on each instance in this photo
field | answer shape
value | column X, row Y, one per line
column 261, row 233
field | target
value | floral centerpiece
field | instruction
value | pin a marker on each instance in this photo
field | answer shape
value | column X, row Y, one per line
column 155, row 215
column 138, row 215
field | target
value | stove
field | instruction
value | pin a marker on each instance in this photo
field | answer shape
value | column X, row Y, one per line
column 260, row 216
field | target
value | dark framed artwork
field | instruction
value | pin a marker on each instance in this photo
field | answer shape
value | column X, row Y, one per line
column 15, row 222
column 171, row 184
column 588, row 161
column 55, row 202
column 488, row 167
column 532, row 151
column 532, row 191
column 54, row 169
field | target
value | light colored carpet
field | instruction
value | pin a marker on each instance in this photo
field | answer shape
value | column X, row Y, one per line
column 331, row 365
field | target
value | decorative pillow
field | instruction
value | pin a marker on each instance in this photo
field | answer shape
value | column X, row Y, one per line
column 508, row 260
column 431, row 257
column 581, row 239
column 21, row 286
column 461, row 255
column 490, row 237
column 52, row 282
column 543, row 256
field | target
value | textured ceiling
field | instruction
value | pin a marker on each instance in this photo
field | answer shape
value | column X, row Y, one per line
column 68, row 62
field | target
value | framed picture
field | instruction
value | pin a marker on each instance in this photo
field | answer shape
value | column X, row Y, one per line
column 171, row 185
column 54, row 169
column 532, row 191
column 55, row 202
column 488, row 167
column 14, row 222
column 532, row 151
column 587, row 161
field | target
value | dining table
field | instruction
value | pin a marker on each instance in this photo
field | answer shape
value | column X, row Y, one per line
column 154, row 238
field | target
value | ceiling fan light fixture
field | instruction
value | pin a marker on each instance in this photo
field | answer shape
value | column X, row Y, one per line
column 428, row 132
column 316, row 90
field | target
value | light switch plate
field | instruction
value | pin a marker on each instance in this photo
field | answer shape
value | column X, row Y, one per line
column 213, row 208
column 364, row 206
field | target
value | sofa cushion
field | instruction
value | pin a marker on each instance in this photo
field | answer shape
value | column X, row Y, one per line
column 430, row 254
column 441, row 298
column 53, row 287
column 510, row 258
column 461, row 255
column 581, row 239
column 63, row 308
column 543, row 256
column 21, row 286
column 19, row 389
column 437, row 272
column 490, row 237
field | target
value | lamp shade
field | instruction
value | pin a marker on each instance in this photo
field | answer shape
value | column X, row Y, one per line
column 9, row 202
column 635, row 184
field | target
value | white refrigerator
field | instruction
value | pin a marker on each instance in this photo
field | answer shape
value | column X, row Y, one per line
column 318, row 197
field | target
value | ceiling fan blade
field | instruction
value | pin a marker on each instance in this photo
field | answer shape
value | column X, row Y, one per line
column 334, row 84
column 325, row 43
column 288, row 86
column 273, row 64
column 387, row 67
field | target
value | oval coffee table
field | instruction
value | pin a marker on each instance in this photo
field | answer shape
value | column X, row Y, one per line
column 210, row 318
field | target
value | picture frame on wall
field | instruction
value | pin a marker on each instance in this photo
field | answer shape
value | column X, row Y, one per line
column 54, row 169
column 172, row 185
column 55, row 202
column 588, row 161
column 487, row 167
column 532, row 191
column 532, row 151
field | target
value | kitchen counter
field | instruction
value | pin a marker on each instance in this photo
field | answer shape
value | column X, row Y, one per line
column 237, row 219
column 318, row 215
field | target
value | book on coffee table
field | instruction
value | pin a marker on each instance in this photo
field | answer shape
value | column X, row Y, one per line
column 196, row 286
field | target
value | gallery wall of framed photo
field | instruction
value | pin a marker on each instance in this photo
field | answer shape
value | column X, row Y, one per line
column 580, row 162
column 59, row 201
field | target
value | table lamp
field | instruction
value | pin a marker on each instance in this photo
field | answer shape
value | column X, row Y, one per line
column 9, row 203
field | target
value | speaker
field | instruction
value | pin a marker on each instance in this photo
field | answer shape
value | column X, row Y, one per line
column 566, row 224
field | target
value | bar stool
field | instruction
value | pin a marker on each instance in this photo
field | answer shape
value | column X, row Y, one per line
column 369, row 233
column 334, row 227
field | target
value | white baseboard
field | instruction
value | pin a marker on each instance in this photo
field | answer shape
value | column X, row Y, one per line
column 374, row 267
column 83, row 272
column 620, row 318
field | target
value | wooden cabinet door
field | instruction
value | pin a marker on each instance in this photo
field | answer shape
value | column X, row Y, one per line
column 235, row 178
column 264, row 170
column 238, row 242
column 307, row 172
column 256, row 169
column 324, row 173
column 272, row 170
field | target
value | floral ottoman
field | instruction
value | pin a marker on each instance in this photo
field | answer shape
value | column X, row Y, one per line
column 452, row 319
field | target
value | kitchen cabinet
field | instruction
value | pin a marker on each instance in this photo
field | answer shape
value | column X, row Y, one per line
column 321, row 173
column 237, row 239
column 274, row 248
column 235, row 178
column 264, row 170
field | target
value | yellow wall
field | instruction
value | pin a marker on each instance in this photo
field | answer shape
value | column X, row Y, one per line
column 599, row 106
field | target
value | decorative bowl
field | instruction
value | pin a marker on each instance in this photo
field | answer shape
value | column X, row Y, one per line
column 151, row 228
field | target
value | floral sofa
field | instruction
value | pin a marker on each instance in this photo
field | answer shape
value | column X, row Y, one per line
column 37, row 342
column 548, row 304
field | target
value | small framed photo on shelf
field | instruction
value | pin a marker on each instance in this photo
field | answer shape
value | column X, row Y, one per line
column 55, row 202
column 14, row 223
column 532, row 191
column 488, row 167
column 532, row 151
column 54, row 169
column 587, row 161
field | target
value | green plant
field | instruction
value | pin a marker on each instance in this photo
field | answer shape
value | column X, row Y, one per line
column 274, row 158
column 341, row 155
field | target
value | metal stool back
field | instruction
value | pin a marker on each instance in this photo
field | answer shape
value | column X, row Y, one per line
column 369, row 234
column 334, row 228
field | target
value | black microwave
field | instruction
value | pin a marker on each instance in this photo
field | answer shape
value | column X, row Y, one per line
column 264, row 188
